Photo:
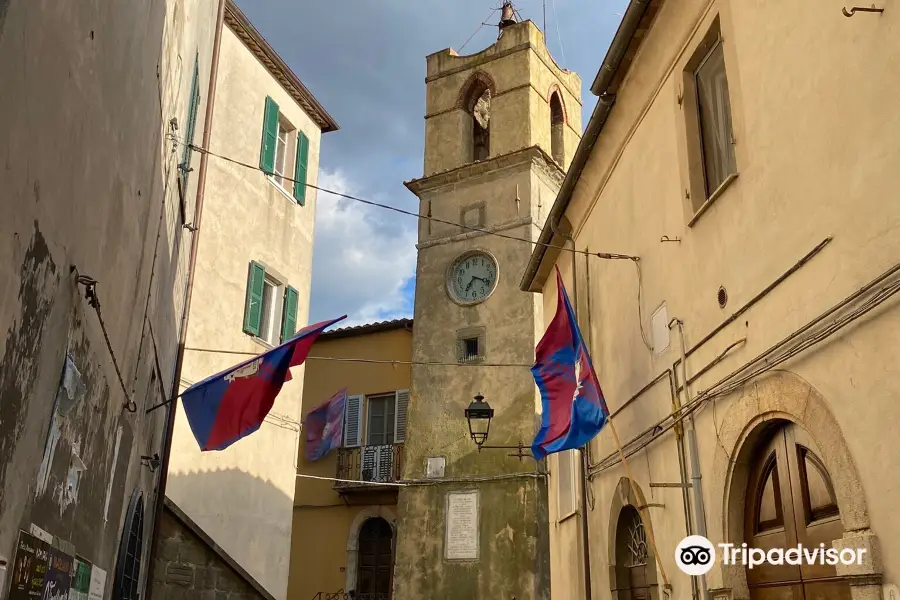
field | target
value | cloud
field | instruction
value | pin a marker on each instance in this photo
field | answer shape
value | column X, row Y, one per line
column 365, row 62
column 364, row 257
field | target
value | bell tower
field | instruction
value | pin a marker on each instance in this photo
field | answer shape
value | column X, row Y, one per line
column 501, row 127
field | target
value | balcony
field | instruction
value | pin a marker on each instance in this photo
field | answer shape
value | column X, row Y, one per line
column 359, row 467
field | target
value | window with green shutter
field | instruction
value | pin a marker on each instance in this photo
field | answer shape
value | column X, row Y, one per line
column 289, row 319
column 256, row 279
column 269, row 137
column 193, row 107
column 300, row 168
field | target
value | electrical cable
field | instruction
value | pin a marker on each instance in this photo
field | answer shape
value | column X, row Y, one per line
column 602, row 255
column 558, row 35
column 728, row 384
column 377, row 361
column 483, row 23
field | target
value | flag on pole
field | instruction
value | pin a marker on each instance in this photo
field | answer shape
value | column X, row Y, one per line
column 325, row 426
column 574, row 409
column 230, row 405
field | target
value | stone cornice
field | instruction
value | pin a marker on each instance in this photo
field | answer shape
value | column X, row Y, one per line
column 467, row 235
column 532, row 154
column 247, row 33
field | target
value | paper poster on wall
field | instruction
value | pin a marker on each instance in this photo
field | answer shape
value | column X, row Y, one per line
column 58, row 577
column 81, row 585
column 26, row 579
column 98, row 583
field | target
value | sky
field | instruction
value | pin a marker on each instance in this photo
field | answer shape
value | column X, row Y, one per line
column 364, row 60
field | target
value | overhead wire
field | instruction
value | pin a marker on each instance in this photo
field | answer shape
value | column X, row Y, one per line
column 770, row 359
column 602, row 255
column 483, row 23
column 374, row 360
column 558, row 34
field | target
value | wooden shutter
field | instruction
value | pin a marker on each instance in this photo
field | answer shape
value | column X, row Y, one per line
column 353, row 422
column 269, row 137
column 193, row 107
column 289, row 321
column 300, row 168
column 402, row 407
column 253, row 306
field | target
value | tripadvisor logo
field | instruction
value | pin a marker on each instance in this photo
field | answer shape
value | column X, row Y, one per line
column 695, row 555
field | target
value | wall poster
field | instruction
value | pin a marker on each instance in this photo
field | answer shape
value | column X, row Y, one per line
column 39, row 571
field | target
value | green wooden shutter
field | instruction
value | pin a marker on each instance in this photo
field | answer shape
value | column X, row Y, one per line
column 300, row 168
column 193, row 107
column 253, row 306
column 289, row 322
column 269, row 137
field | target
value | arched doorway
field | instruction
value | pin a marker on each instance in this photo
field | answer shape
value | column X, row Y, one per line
column 633, row 578
column 375, row 561
column 790, row 500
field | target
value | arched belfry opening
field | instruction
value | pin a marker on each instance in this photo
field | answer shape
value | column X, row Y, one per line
column 557, row 127
column 476, row 102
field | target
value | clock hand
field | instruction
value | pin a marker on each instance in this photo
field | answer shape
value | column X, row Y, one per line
column 471, row 281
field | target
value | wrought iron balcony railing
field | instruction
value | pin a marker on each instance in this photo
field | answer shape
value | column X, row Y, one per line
column 379, row 464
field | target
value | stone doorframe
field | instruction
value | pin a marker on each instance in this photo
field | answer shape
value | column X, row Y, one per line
column 785, row 396
column 618, row 575
column 369, row 512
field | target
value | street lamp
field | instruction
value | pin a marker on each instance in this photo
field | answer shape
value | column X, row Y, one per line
column 479, row 415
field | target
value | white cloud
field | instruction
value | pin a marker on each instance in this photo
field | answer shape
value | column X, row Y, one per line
column 363, row 256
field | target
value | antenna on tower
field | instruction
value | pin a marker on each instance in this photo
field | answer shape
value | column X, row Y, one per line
column 545, row 21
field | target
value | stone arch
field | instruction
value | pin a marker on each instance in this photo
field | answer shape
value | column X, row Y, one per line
column 369, row 512
column 475, row 101
column 563, row 117
column 473, row 88
column 627, row 495
column 782, row 396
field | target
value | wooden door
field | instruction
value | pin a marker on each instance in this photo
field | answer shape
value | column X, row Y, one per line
column 376, row 560
column 790, row 501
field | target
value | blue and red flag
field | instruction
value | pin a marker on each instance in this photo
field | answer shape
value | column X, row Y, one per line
column 230, row 405
column 574, row 409
column 325, row 427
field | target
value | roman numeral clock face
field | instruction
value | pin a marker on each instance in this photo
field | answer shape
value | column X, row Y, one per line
column 472, row 278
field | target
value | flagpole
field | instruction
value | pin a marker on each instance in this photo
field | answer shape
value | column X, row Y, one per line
column 648, row 527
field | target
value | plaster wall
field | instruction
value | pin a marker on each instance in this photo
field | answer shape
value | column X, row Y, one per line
column 804, row 173
column 89, row 181
column 246, row 218
column 326, row 526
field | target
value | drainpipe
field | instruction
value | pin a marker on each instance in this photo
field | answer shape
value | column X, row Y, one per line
column 185, row 312
column 693, row 455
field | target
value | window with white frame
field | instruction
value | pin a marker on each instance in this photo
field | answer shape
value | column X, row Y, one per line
column 566, row 483
column 281, row 153
column 270, row 308
column 384, row 416
column 284, row 153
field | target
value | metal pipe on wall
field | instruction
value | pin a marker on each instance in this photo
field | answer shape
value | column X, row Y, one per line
column 694, row 457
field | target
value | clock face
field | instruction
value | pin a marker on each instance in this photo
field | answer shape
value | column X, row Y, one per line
column 472, row 277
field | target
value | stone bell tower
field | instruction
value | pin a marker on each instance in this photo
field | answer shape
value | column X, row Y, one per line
column 501, row 127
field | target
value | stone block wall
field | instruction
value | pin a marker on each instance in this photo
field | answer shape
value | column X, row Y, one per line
column 190, row 566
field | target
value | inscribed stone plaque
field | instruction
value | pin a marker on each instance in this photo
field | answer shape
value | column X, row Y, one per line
column 461, row 540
